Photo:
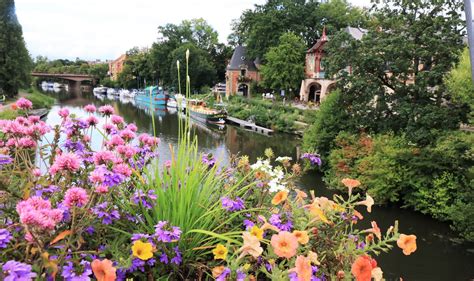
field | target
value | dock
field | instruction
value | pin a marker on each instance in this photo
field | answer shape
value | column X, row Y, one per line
column 249, row 126
column 41, row 112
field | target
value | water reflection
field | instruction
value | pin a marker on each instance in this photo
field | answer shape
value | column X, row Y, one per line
column 437, row 257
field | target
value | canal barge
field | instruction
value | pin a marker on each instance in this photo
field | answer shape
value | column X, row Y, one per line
column 151, row 96
column 199, row 111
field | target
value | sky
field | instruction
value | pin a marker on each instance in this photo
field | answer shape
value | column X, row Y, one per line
column 105, row 29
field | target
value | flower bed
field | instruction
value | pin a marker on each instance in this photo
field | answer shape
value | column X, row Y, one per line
column 116, row 213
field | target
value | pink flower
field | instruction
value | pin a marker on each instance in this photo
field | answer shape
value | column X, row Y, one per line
column 24, row 103
column 167, row 163
column 132, row 127
column 106, row 110
column 126, row 150
column 115, row 140
column 36, row 172
column 103, row 157
column 26, row 142
column 65, row 162
column 76, row 196
column 116, row 119
column 123, row 169
column 64, row 112
column 92, row 120
column 127, row 134
column 101, row 189
column 110, row 128
column 33, row 119
column 37, row 213
column 90, row 108
column 97, row 176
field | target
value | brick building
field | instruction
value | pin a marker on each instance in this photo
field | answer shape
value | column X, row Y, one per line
column 116, row 66
column 241, row 72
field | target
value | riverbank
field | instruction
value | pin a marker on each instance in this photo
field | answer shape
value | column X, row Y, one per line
column 38, row 99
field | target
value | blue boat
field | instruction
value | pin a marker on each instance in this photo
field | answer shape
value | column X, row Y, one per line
column 151, row 96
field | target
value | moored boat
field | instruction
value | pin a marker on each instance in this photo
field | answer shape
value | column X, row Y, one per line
column 151, row 96
column 199, row 111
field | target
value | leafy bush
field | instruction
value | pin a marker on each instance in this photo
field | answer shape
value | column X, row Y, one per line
column 8, row 114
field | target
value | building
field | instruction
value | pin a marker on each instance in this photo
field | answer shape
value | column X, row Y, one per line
column 116, row 66
column 241, row 72
column 316, row 84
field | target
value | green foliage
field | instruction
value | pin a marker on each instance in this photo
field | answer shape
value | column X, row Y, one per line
column 284, row 68
column 398, row 67
column 268, row 114
column 40, row 100
column 330, row 119
column 459, row 83
column 261, row 28
column 435, row 180
column 8, row 114
column 15, row 61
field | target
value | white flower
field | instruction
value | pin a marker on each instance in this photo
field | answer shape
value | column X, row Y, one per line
column 283, row 158
column 275, row 186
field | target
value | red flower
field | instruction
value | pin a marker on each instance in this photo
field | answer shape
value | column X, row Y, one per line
column 362, row 268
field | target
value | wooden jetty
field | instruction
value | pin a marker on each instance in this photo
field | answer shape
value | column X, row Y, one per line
column 41, row 112
column 249, row 126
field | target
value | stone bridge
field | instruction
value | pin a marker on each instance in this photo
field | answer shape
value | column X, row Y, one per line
column 74, row 80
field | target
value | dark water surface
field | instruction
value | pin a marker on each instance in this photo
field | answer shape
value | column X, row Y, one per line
column 437, row 257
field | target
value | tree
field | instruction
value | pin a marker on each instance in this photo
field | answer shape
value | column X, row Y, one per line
column 15, row 61
column 460, row 84
column 201, row 69
column 260, row 29
column 284, row 68
column 398, row 67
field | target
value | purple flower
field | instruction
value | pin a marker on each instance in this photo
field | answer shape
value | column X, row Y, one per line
column 224, row 274
column 17, row 271
column 40, row 190
column 232, row 205
column 139, row 236
column 166, row 233
column 5, row 159
column 293, row 276
column 72, row 273
column 281, row 224
column 90, row 230
column 248, row 224
column 164, row 258
column 5, row 238
column 240, row 275
column 314, row 159
column 147, row 201
column 137, row 264
column 178, row 258
column 73, row 146
column 107, row 217
column 209, row 160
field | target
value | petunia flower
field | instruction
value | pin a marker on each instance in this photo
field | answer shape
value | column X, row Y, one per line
column 251, row 246
column 302, row 236
column 142, row 250
column 350, row 184
column 302, row 268
column 284, row 244
column 103, row 270
column 362, row 268
column 280, row 197
column 368, row 202
column 407, row 243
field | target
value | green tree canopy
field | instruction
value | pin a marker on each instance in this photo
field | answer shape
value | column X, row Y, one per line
column 260, row 28
column 284, row 66
column 15, row 61
column 398, row 67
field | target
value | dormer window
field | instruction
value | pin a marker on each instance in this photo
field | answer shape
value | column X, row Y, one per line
column 243, row 72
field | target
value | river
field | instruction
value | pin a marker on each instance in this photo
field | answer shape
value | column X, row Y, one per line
column 438, row 257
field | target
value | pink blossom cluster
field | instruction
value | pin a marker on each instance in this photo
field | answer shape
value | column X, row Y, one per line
column 22, row 132
column 24, row 103
column 147, row 140
column 36, row 212
column 69, row 162
column 76, row 196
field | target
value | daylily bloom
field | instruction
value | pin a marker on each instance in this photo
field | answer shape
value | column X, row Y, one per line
column 284, row 244
column 220, row 252
column 279, row 197
column 104, row 270
column 142, row 250
column 257, row 232
column 407, row 243
column 368, row 202
column 251, row 246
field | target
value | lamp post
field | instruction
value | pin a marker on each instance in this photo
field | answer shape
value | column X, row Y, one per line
column 470, row 35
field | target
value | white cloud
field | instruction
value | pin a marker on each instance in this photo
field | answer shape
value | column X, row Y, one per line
column 104, row 29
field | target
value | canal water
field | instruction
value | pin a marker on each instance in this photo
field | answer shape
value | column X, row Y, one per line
column 438, row 257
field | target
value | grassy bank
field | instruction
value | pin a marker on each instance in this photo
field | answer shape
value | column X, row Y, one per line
column 274, row 115
column 38, row 99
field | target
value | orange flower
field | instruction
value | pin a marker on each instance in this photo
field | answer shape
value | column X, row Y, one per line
column 300, row 196
column 362, row 268
column 302, row 268
column 407, row 243
column 251, row 246
column 14, row 106
column 350, row 184
column 279, row 197
column 358, row 215
column 103, row 270
column 284, row 244
column 368, row 202
column 375, row 230
column 302, row 236
column 216, row 271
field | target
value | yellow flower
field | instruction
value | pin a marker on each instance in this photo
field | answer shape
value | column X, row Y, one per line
column 220, row 252
column 141, row 250
column 257, row 232
column 302, row 236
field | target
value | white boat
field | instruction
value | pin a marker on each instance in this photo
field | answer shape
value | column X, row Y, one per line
column 111, row 91
column 57, row 85
column 172, row 103
column 123, row 92
column 180, row 101
column 100, row 90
